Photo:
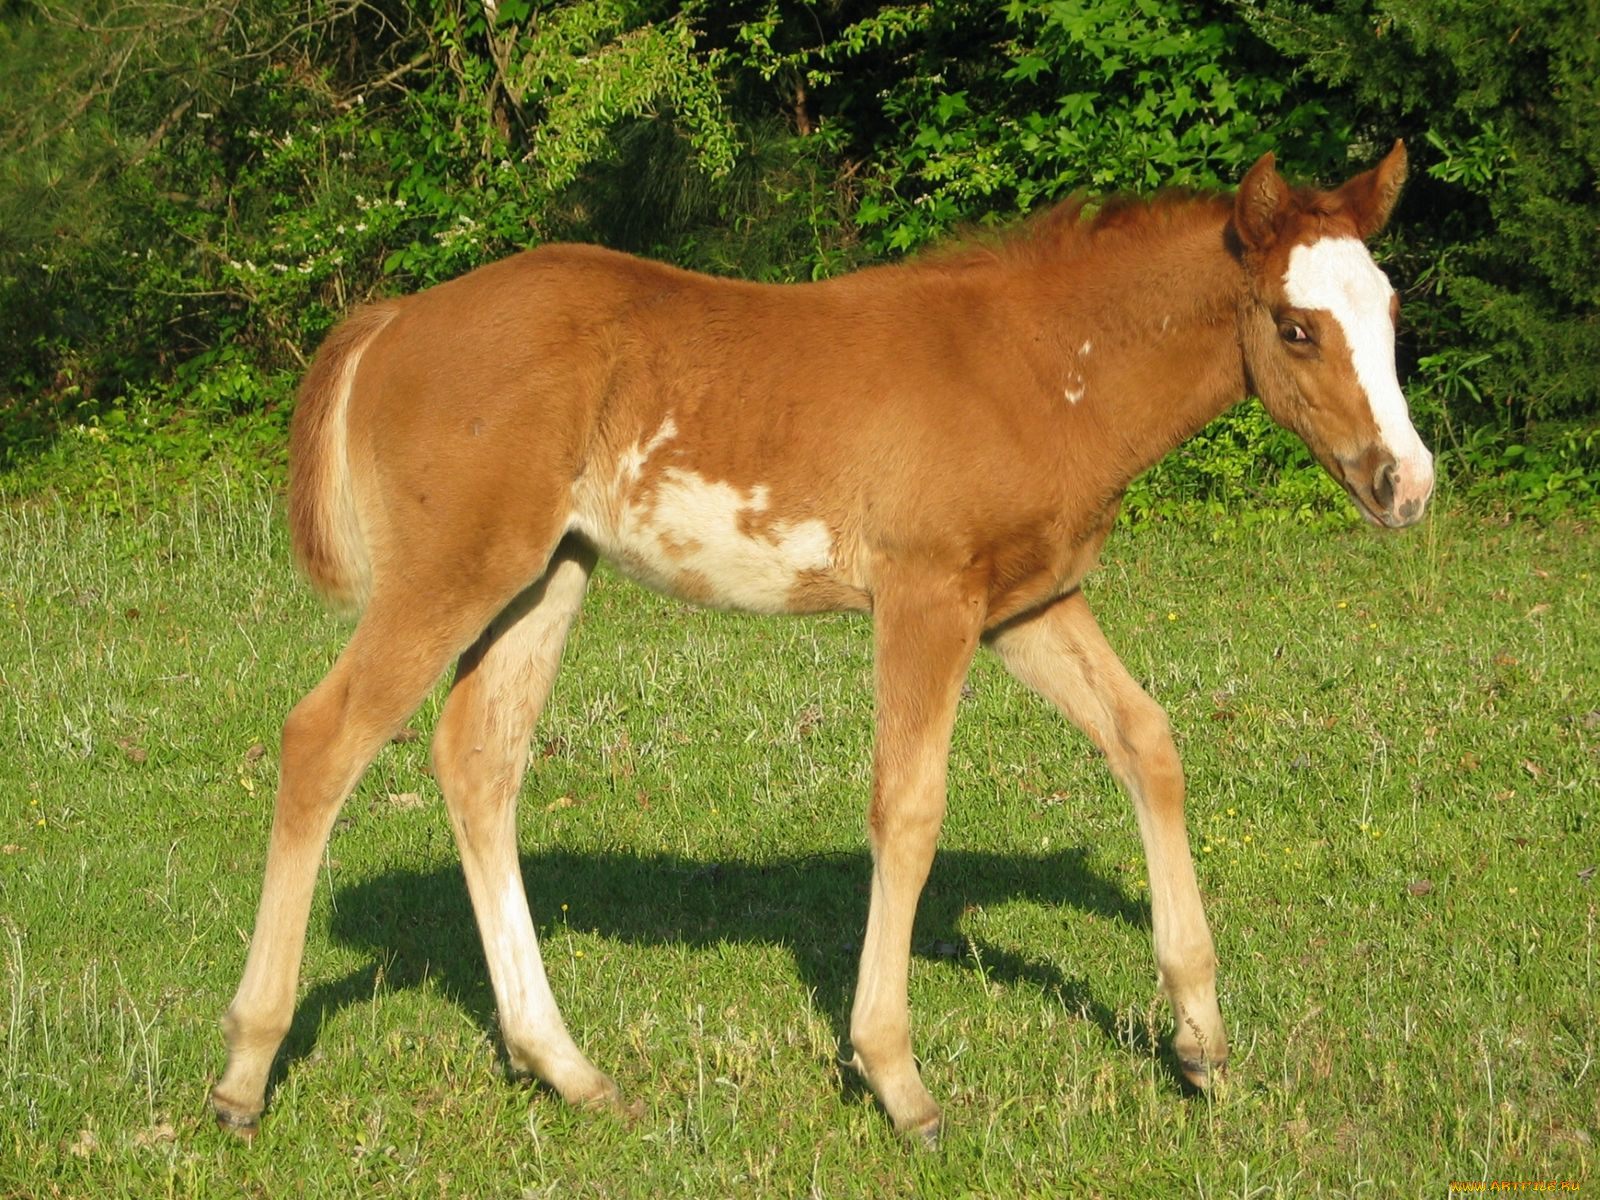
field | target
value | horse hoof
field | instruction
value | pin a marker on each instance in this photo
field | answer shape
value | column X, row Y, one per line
column 926, row 1136
column 923, row 1132
column 241, row 1124
column 608, row 1098
column 628, row 1110
column 1204, row 1074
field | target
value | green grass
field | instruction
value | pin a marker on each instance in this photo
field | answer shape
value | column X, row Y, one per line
column 1393, row 747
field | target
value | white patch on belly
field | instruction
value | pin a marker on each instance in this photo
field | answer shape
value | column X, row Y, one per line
column 685, row 534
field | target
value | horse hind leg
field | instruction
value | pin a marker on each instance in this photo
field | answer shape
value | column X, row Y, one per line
column 399, row 649
column 479, row 753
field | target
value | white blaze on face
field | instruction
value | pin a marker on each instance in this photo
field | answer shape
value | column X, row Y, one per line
column 1338, row 276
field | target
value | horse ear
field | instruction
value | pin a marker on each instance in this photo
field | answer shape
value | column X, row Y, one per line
column 1371, row 196
column 1262, row 197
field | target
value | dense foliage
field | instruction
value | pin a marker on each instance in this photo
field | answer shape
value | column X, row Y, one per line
column 191, row 191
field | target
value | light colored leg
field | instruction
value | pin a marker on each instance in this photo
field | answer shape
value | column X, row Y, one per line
column 479, row 754
column 926, row 632
column 1060, row 653
column 394, row 657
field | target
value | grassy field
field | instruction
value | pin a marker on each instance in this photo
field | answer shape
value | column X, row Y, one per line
column 1393, row 746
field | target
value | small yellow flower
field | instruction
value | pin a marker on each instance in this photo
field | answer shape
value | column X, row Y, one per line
column 1206, row 849
column 1343, row 604
column 1511, row 891
column 1248, row 838
column 577, row 954
column 40, row 822
column 563, row 906
column 1232, row 813
column 1172, row 616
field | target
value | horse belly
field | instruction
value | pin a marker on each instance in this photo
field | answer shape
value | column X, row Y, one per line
column 712, row 542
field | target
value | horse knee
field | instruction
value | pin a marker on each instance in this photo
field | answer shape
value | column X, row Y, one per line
column 1144, row 743
column 308, row 729
column 905, row 820
column 451, row 752
column 1145, row 729
column 311, row 777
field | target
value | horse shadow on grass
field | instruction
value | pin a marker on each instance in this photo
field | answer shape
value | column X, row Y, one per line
column 418, row 926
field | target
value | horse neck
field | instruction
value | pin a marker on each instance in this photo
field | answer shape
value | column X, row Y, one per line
column 1158, row 306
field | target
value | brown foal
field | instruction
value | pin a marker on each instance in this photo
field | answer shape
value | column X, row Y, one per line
column 942, row 443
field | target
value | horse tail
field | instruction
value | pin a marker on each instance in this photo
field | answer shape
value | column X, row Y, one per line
column 324, row 522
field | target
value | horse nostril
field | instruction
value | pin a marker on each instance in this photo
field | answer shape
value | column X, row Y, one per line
column 1383, row 485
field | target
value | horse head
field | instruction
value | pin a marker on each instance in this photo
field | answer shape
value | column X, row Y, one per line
column 1318, row 331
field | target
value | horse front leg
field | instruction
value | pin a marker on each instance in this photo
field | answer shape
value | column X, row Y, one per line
column 1061, row 653
column 925, row 633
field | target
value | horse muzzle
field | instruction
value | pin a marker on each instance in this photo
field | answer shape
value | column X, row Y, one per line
column 1390, row 492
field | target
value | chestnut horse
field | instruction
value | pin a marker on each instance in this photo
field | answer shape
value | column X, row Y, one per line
column 942, row 443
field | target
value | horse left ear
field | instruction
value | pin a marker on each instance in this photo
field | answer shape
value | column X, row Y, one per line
column 1371, row 196
column 1261, row 200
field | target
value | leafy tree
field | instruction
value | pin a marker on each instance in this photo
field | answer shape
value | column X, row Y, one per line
column 191, row 191
column 1502, row 104
column 233, row 173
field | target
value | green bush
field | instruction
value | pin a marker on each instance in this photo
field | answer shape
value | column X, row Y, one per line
column 191, row 194
column 312, row 155
column 1502, row 106
column 1124, row 95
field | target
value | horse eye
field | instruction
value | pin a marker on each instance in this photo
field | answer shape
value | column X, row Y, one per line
column 1293, row 334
